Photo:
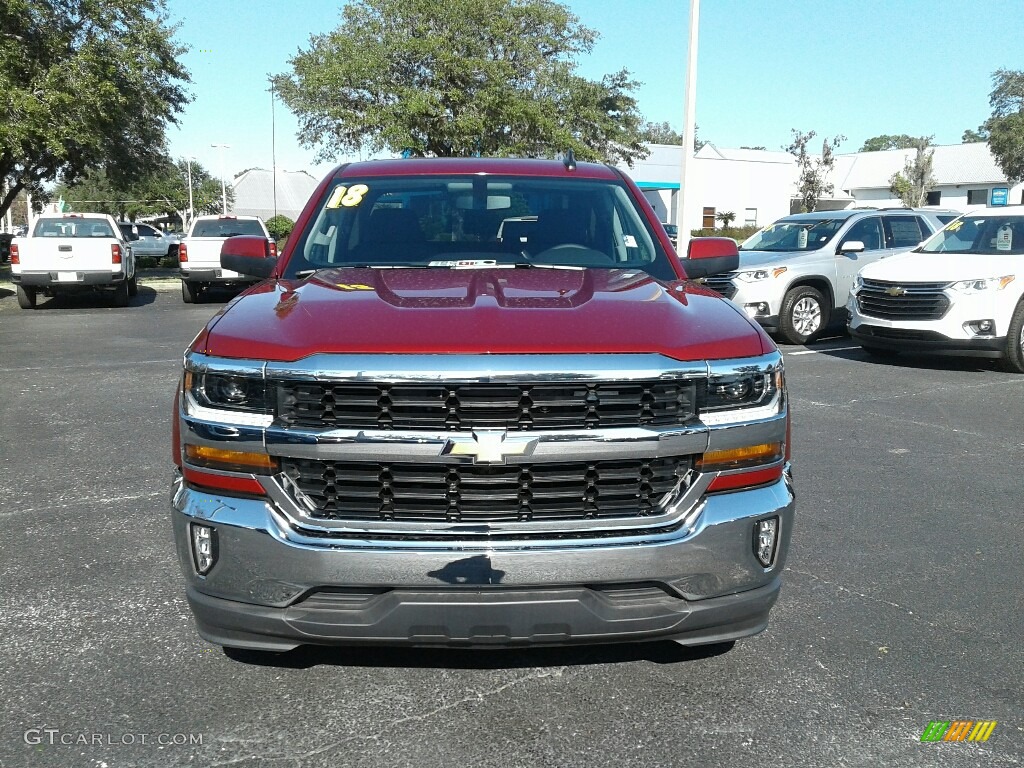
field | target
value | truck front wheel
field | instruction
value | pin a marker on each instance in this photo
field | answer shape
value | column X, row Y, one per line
column 803, row 315
column 189, row 292
column 26, row 298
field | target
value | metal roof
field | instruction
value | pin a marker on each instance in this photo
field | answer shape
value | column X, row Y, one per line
column 254, row 193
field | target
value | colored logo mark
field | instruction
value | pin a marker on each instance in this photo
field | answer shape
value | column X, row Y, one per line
column 958, row 730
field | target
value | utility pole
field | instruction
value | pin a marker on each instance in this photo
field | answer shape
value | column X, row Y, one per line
column 223, row 188
column 273, row 147
column 684, row 203
column 191, row 208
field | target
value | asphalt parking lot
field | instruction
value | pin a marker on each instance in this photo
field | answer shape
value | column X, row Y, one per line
column 902, row 601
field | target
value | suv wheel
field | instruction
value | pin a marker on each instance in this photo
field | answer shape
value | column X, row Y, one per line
column 1013, row 360
column 803, row 315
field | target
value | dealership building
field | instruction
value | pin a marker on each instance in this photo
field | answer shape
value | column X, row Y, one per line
column 760, row 186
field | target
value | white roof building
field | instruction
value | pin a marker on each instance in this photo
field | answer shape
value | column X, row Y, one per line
column 759, row 186
column 255, row 192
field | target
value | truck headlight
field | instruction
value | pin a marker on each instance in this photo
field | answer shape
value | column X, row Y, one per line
column 228, row 392
column 741, row 390
column 969, row 287
column 757, row 275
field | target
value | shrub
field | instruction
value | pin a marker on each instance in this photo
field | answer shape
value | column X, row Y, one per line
column 279, row 227
column 736, row 233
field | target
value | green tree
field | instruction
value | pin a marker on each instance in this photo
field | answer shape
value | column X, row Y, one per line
column 161, row 191
column 813, row 183
column 84, row 84
column 971, row 136
column 887, row 141
column 459, row 77
column 916, row 180
column 279, row 226
column 1006, row 126
column 660, row 133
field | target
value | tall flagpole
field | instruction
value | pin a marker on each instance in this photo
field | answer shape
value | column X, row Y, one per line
column 685, row 211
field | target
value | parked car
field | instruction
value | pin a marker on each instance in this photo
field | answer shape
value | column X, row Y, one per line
column 73, row 252
column 417, row 431
column 199, row 252
column 5, row 246
column 795, row 274
column 148, row 240
column 673, row 233
column 962, row 292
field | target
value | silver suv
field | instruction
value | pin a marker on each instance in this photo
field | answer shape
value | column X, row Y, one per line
column 795, row 275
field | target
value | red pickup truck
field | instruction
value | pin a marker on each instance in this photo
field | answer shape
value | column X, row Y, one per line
column 480, row 402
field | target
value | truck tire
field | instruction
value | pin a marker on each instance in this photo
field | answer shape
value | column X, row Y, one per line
column 133, row 285
column 1013, row 360
column 121, row 294
column 803, row 315
column 189, row 292
column 26, row 298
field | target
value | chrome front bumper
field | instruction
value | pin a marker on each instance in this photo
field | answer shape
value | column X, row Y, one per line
column 274, row 588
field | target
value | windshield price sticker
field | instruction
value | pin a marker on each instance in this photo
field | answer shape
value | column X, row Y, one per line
column 348, row 197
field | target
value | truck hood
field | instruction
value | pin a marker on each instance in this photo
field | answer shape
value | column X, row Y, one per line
column 480, row 311
column 942, row 267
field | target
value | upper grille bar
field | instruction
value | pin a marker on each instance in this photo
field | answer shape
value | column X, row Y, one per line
column 460, row 407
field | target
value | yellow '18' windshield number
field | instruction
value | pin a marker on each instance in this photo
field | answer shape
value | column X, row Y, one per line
column 348, row 197
column 954, row 226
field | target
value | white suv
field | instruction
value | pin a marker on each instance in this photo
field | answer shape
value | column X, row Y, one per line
column 795, row 275
column 962, row 292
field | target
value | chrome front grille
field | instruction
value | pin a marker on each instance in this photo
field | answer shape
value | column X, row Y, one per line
column 461, row 407
column 902, row 301
column 484, row 493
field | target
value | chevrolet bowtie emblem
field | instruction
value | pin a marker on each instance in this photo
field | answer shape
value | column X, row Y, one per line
column 489, row 446
column 896, row 291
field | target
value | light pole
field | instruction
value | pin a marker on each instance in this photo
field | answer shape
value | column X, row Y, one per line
column 191, row 209
column 683, row 219
column 223, row 189
column 273, row 147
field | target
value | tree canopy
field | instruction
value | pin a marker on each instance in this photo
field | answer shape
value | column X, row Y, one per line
column 459, row 77
column 162, row 190
column 912, row 185
column 813, row 183
column 889, row 141
column 84, row 84
column 1006, row 126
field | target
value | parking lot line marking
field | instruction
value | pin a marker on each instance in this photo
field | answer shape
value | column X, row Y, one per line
column 827, row 349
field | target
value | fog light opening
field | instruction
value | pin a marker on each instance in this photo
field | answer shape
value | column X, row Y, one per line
column 204, row 548
column 756, row 310
column 766, row 538
column 986, row 327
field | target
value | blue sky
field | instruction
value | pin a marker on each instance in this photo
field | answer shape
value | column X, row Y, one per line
column 921, row 67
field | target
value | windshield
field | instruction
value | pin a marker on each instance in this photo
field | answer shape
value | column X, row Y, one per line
column 1002, row 235
column 478, row 220
column 802, row 235
column 228, row 228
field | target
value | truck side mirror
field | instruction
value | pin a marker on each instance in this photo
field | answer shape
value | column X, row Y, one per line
column 249, row 255
column 706, row 256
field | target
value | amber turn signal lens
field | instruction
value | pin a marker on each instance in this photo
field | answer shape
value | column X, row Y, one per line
column 735, row 458
column 232, row 461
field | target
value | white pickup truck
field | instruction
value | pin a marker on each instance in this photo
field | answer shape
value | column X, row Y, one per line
column 199, row 252
column 73, row 252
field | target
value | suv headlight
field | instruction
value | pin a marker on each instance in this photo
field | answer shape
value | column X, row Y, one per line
column 969, row 287
column 757, row 275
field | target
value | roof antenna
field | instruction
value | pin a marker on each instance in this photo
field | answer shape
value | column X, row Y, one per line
column 569, row 161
